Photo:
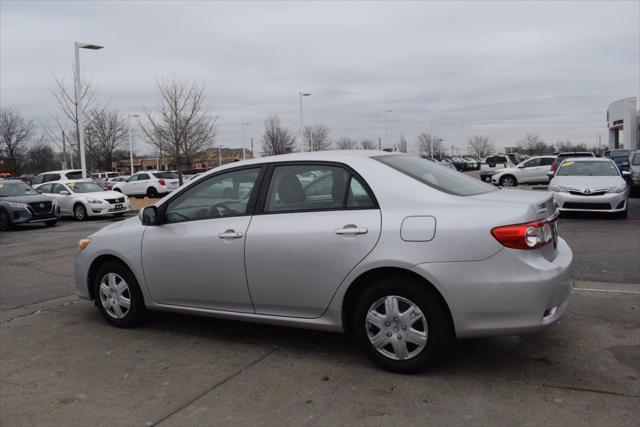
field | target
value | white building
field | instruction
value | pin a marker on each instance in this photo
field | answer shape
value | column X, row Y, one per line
column 623, row 119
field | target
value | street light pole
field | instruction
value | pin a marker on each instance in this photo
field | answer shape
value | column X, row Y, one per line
column 385, row 126
column 78, row 86
column 301, row 94
column 220, row 154
column 131, row 143
column 244, row 144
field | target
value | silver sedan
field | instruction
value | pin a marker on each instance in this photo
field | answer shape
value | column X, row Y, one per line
column 399, row 252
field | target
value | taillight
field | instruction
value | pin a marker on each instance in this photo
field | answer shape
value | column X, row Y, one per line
column 531, row 235
column 161, row 181
column 554, row 167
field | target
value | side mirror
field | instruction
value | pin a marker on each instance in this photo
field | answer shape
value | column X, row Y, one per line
column 64, row 193
column 520, row 166
column 626, row 173
column 149, row 215
column 550, row 174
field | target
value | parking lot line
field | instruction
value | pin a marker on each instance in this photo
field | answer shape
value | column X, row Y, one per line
column 606, row 290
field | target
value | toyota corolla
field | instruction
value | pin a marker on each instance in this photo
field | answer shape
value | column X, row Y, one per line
column 401, row 253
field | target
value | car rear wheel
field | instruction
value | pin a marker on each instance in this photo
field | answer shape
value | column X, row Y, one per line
column 508, row 181
column 401, row 324
column 79, row 212
column 5, row 223
column 152, row 193
column 118, row 295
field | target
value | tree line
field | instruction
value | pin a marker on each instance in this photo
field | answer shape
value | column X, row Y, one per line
column 180, row 128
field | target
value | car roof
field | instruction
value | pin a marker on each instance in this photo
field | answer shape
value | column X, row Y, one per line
column 62, row 171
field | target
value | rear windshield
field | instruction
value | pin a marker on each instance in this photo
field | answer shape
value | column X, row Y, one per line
column 165, row 175
column 586, row 168
column 436, row 176
column 74, row 175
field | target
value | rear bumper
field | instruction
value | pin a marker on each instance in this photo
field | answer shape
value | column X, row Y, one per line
column 610, row 202
column 514, row 292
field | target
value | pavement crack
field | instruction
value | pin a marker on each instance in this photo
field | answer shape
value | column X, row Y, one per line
column 213, row 387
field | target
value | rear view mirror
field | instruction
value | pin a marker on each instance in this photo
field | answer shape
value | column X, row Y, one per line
column 148, row 215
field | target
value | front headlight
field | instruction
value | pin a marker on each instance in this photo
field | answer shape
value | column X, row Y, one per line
column 98, row 201
column 618, row 189
column 17, row 205
column 558, row 189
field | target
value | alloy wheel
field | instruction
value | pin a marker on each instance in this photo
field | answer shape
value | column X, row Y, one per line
column 508, row 181
column 79, row 212
column 396, row 327
column 115, row 295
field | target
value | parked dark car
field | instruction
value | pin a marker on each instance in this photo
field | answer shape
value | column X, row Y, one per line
column 21, row 204
column 621, row 158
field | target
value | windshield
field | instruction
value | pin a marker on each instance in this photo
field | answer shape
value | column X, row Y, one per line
column 582, row 168
column 436, row 176
column 13, row 189
column 165, row 175
column 84, row 187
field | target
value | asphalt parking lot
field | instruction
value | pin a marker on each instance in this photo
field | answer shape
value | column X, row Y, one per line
column 61, row 364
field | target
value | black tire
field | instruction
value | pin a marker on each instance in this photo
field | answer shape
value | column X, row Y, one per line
column 51, row 223
column 79, row 212
column 438, row 324
column 152, row 193
column 508, row 181
column 5, row 222
column 137, row 309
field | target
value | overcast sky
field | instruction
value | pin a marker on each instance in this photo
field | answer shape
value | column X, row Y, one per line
column 500, row 69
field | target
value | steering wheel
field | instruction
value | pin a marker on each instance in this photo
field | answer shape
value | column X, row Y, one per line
column 222, row 210
column 178, row 214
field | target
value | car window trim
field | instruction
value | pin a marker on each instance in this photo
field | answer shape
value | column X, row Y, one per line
column 264, row 188
column 162, row 209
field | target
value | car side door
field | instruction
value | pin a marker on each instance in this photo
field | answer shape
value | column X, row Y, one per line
column 195, row 258
column 528, row 170
column 65, row 201
column 306, row 236
column 543, row 169
column 128, row 187
column 142, row 183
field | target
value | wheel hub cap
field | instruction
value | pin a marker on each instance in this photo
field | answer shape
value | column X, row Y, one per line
column 396, row 327
column 115, row 295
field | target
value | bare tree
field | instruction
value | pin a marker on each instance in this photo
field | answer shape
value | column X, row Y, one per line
column 568, row 146
column 65, row 95
column 182, row 128
column 276, row 139
column 367, row 144
column 41, row 157
column 316, row 137
column 107, row 130
column 429, row 145
column 402, row 145
column 346, row 143
column 481, row 146
column 534, row 144
column 15, row 132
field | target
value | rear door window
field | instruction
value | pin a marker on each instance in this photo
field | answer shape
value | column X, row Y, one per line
column 51, row 177
column 546, row 161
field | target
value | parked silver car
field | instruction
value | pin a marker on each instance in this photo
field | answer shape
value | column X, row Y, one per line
column 399, row 252
column 590, row 184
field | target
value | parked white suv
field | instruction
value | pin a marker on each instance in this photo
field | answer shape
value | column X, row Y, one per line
column 148, row 183
column 531, row 171
column 61, row 176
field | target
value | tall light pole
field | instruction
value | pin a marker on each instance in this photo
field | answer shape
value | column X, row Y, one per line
column 131, row 143
column 78, row 84
column 301, row 94
column 220, row 154
column 244, row 145
column 385, row 126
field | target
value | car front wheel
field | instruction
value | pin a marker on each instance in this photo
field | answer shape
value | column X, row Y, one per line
column 508, row 181
column 79, row 212
column 118, row 295
column 5, row 223
column 401, row 325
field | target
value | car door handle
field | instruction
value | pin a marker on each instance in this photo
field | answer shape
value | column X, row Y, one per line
column 351, row 229
column 230, row 234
